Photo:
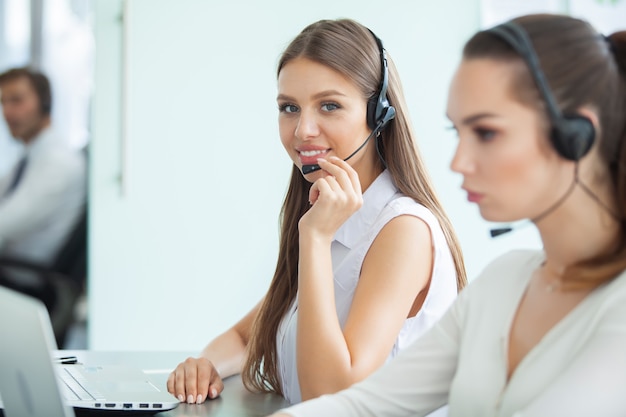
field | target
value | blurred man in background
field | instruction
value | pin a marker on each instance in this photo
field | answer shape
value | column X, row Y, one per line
column 43, row 196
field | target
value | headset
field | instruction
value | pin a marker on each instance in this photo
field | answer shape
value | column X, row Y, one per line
column 572, row 135
column 379, row 111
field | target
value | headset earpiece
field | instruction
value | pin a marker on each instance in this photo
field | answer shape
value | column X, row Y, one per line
column 378, row 119
column 389, row 113
column 379, row 111
column 45, row 107
column 572, row 136
column 372, row 103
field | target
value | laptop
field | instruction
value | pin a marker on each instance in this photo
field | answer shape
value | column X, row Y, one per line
column 32, row 385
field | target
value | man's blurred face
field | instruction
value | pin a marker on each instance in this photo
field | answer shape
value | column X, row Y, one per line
column 21, row 109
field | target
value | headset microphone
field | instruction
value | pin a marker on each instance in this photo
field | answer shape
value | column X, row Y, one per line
column 307, row 169
column 500, row 231
column 571, row 135
column 379, row 111
column 506, row 229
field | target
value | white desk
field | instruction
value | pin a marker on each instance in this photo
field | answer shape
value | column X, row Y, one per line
column 235, row 400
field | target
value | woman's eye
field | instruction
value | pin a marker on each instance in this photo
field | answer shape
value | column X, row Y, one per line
column 287, row 108
column 330, row 106
column 485, row 134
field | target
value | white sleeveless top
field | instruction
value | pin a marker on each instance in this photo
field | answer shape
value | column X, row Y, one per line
column 381, row 202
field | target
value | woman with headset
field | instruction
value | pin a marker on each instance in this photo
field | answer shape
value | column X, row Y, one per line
column 368, row 259
column 539, row 104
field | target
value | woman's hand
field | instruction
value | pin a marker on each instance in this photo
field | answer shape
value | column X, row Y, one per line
column 194, row 381
column 334, row 197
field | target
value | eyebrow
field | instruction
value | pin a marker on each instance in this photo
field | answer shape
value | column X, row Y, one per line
column 476, row 117
column 321, row 94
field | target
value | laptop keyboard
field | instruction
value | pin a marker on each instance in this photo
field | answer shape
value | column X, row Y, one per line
column 75, row 387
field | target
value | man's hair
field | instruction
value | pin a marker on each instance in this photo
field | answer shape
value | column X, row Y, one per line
column 40, row 84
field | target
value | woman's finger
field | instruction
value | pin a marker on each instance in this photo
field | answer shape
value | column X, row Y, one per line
column 346, row 176
column 191, row 380
column 205, row 373
column 347, row 168
column 318, row 187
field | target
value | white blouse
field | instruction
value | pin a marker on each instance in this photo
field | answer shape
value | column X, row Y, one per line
column 37, row 217
column 381, row 202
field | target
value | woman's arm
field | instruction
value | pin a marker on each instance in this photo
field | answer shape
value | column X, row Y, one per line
column 396, row 269
column 197, row 379
column 414, row 383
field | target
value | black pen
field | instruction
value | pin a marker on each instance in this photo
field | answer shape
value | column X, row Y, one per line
column 67, row 360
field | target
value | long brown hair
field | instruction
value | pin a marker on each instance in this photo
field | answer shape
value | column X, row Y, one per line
column 349, row 48
column 582, row 68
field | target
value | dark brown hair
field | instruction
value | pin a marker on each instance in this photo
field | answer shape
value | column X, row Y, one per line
column 349, row 48
column 37, row 80
column 582, row 68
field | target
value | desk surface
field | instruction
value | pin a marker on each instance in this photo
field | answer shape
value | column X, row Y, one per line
column 235, row 400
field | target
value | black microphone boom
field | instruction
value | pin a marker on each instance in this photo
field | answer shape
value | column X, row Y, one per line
column 307, row 169
column 500, row 231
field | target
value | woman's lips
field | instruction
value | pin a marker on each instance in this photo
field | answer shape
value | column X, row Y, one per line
column 473, row 197
column 310, row 156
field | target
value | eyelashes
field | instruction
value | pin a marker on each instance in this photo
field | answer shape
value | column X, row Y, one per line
column 484, row 134
column 326, row 107
column 330, row 106
column 287, row 108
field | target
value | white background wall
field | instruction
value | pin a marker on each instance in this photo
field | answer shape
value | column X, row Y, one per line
column 189, row 244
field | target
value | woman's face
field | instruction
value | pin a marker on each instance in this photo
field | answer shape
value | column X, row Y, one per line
column 322, row 113
column 509, row 168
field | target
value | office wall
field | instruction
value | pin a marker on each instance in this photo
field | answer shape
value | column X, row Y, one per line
column 185, row 112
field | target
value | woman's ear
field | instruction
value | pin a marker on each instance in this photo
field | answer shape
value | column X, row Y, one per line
column 591, row 115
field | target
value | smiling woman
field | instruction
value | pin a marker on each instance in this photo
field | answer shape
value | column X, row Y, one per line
column 330, row 107
column 368, row 259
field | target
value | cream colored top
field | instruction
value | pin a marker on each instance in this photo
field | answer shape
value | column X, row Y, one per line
column 578, row 369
